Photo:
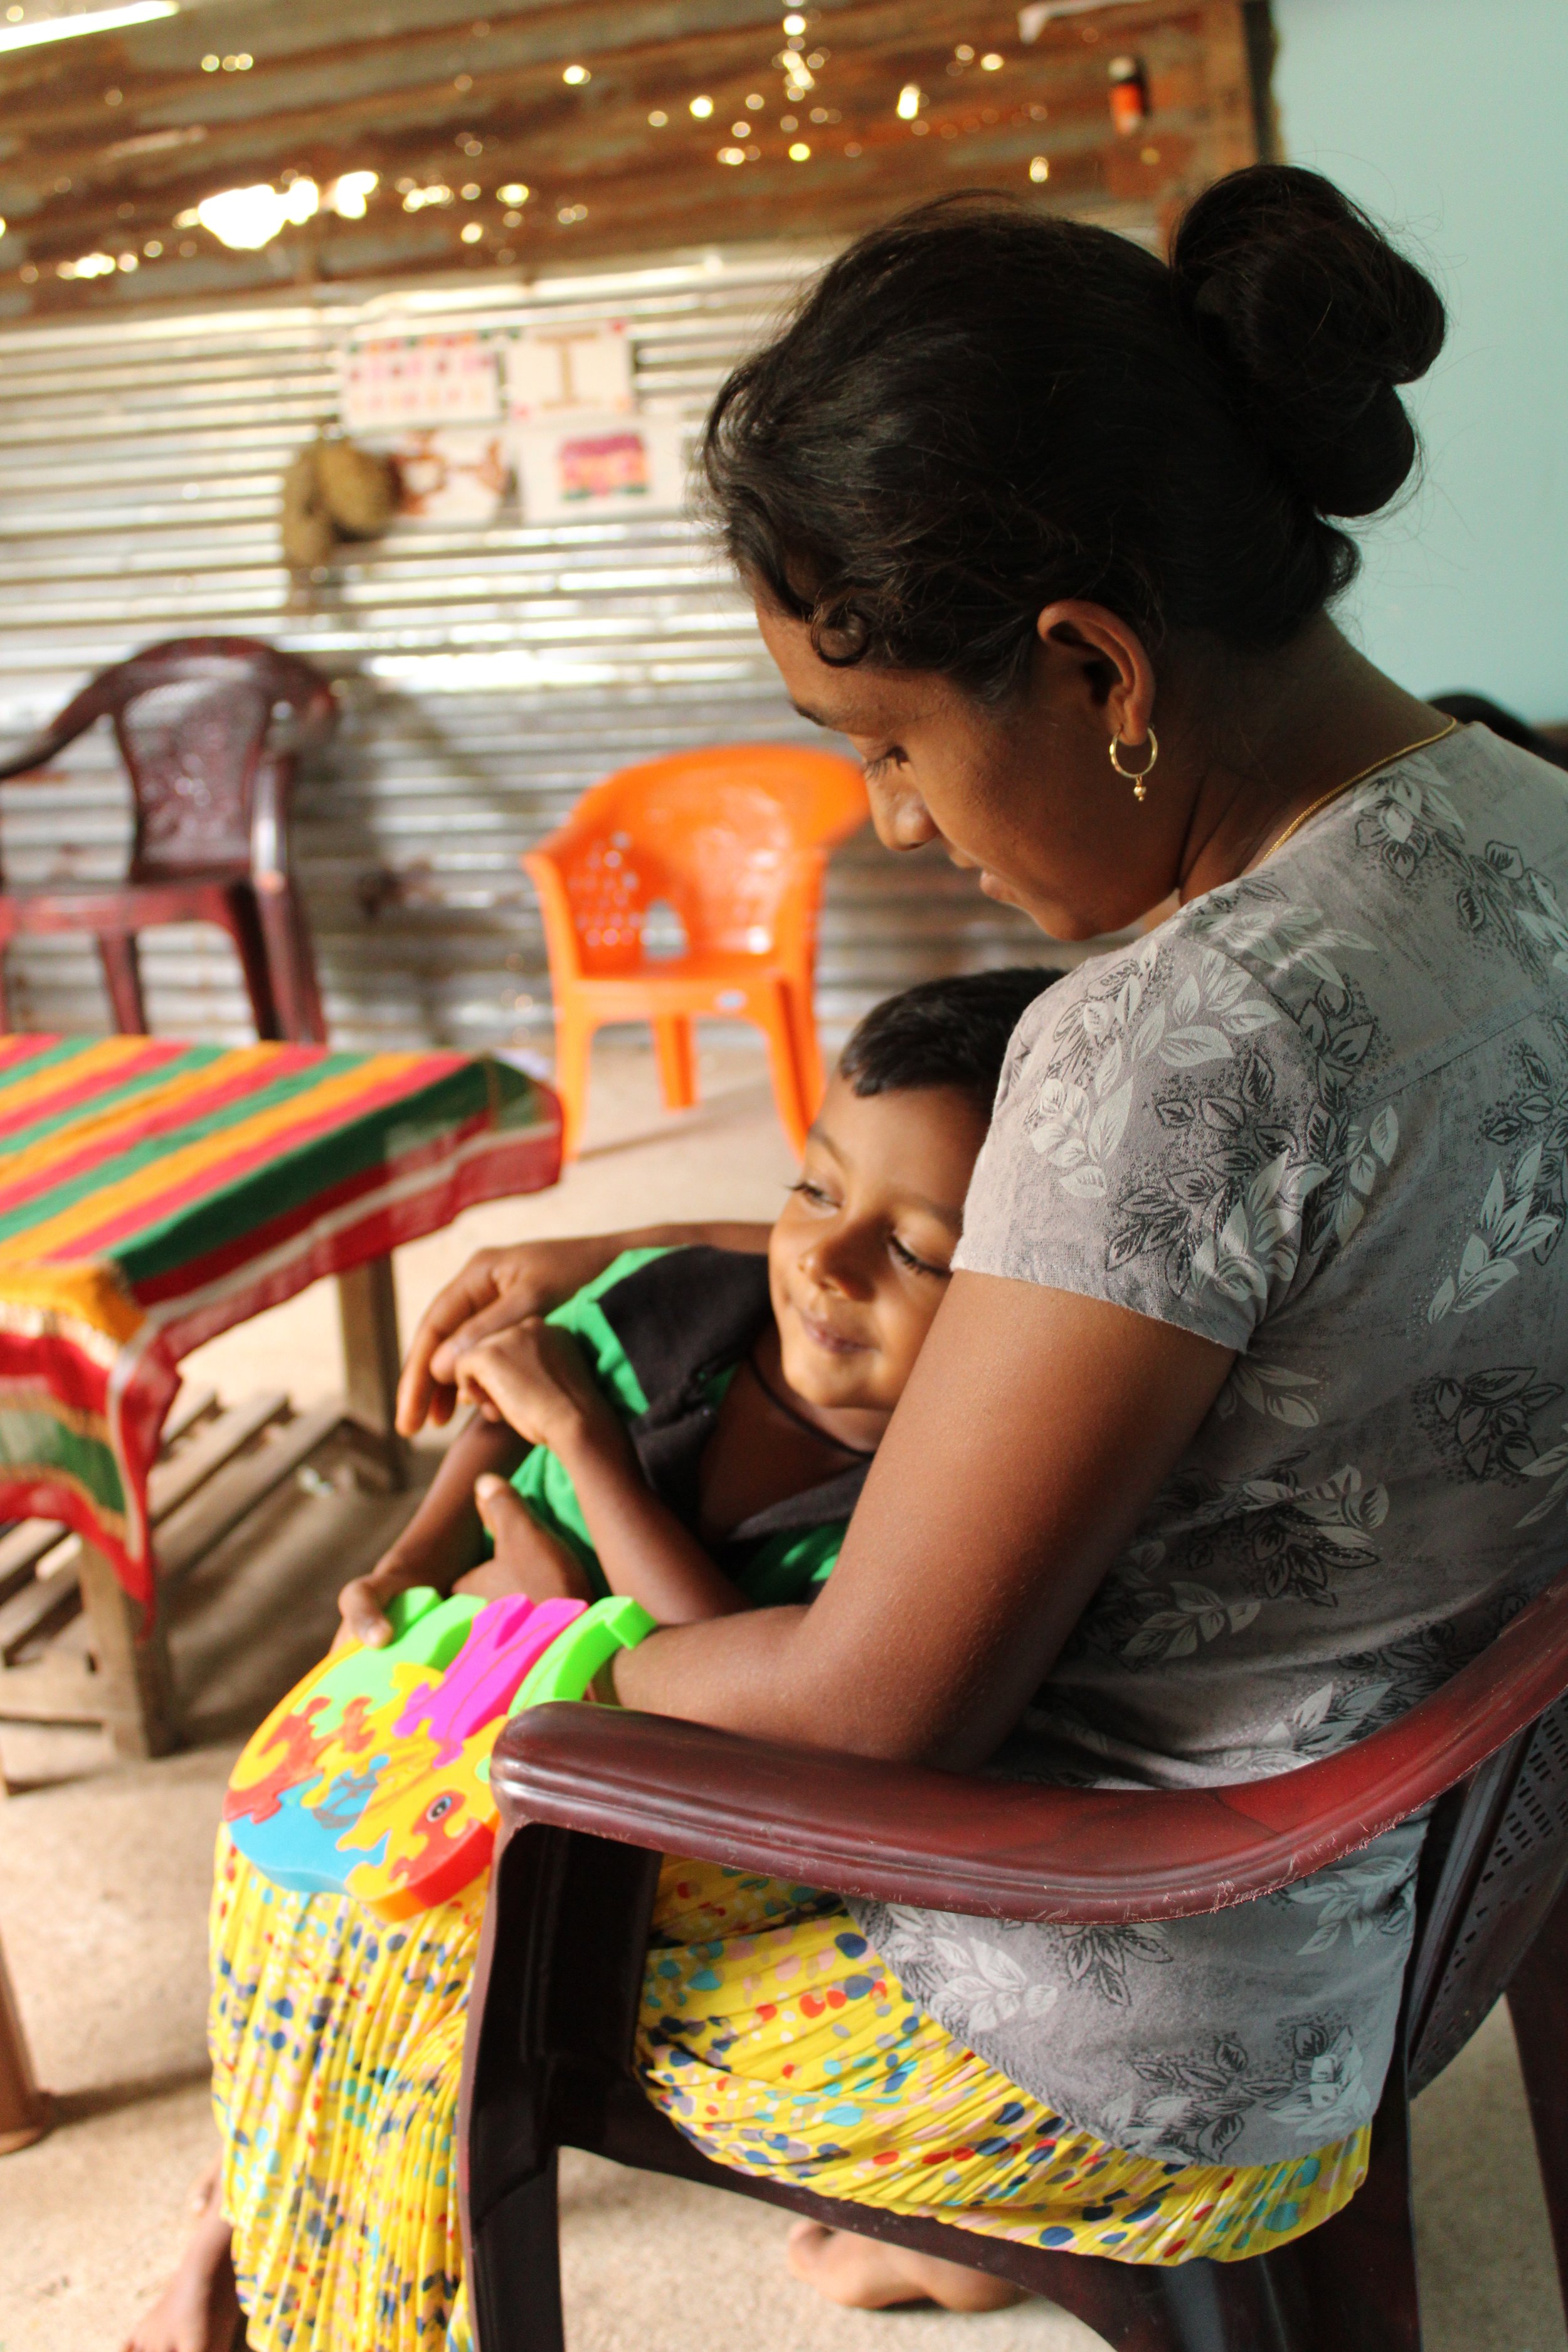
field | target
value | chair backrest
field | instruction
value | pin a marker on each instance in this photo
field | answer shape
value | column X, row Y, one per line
column 734, row 837
column 1497, row 1859
column 195, row 719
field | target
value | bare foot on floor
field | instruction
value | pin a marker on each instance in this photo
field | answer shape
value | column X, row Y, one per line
column 198, row 2311
column 869, row 2275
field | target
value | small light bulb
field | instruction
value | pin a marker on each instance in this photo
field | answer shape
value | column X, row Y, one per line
column 576, row 75
column 755, row 101
column 515, row 193
column 795, row 26
column 991, row 62
column 963, row 52
column 658, row 119
column 701, row 108
column 472, row 232
column 472, row 192
column 909, row 104
column 732, row 154
column 800, row 153
column 1039, row 167
column 209, row 64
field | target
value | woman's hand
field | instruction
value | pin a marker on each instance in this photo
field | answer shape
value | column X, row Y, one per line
column 499, row 1287
column 534, row 1377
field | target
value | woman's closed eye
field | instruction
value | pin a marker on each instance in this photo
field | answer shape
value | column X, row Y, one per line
column 894, row 757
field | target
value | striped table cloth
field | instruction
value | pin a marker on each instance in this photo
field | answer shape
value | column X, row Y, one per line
column 152, row 1194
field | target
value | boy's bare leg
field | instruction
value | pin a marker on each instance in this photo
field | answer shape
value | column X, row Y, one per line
column 870, row 2275
column 198, row 2311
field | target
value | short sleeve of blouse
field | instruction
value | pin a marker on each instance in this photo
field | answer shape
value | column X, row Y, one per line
column 1160, row 1134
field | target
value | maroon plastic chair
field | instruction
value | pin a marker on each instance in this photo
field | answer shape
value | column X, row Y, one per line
column 209, row 729
column 590, row 1798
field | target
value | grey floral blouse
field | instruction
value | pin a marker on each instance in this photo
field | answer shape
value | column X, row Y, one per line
column 1320, row 1116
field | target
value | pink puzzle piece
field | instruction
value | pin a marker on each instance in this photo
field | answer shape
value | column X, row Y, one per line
column 506, row 1640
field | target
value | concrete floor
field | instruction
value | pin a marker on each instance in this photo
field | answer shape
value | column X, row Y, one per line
column 104, row 1876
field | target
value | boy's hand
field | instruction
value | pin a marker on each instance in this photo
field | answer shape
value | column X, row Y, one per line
column 528, row 1558
column 534, row 1377
column 361, row 1604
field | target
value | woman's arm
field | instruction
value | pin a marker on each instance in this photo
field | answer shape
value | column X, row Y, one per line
column 1034, row 1435
column 499, row 1287
column 536, row 1377
column 443, row 1538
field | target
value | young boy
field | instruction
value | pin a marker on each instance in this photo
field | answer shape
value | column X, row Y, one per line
column 693, row 1427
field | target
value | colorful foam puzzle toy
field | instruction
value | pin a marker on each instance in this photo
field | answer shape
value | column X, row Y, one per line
column 373, row 1775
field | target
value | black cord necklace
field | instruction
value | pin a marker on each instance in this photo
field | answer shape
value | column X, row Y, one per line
column 779, row 1405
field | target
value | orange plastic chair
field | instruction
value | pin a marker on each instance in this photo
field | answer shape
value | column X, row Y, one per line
column 735, row 840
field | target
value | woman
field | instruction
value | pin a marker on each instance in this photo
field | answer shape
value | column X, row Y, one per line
column 1237, row 1430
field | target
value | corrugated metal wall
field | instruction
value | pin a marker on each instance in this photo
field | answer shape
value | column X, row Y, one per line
column 487, row 675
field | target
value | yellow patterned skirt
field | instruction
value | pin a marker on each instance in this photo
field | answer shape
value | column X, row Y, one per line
column 771, row 2034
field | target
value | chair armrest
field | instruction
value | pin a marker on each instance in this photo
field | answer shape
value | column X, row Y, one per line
column 35, row 755
column 1010, row 1849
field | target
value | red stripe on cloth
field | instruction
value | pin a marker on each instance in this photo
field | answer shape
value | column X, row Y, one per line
column 184, row 1110
column 56, row 1367
column 525, row 1164
column 75, row 1088
column 213, row 1176
column 26, row 1045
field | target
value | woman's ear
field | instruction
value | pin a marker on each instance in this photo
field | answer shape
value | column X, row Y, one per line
column 1110, row 660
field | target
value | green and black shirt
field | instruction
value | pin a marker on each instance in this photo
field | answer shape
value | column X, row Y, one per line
column 663, row 1331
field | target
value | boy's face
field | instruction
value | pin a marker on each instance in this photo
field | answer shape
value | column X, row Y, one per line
column 859, row 1262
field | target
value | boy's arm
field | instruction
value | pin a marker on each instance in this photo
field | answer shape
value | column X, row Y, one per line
column 444, row 1538
column 534, row 1374
column 499, row 1287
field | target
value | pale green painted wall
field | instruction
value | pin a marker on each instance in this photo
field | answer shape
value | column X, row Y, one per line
column 1449, row 118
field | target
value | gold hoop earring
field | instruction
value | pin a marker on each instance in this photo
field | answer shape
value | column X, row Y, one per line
column 1137, row 777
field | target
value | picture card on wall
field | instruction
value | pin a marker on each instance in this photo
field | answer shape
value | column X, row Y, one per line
column 391, row 382
column 451, row 474
column 562, row 370
column 599, row 466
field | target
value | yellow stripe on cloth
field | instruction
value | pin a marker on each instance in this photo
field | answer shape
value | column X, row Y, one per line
column 173, row 1172
column 87, row 1304
column 84, row 1128
column 771, row 2035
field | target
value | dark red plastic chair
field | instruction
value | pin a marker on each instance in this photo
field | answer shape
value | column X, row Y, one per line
column 209, row 729
column 591, row 1796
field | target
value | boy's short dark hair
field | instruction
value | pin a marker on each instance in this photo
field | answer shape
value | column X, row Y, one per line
column 943, row 1032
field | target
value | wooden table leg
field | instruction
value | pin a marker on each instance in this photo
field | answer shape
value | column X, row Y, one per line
column 367, row 1306
column 133, row 1674
column 25, row 2114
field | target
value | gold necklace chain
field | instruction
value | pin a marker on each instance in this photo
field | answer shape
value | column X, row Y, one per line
column 1392, row 759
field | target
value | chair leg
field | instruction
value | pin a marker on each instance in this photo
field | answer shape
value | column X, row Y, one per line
column 673, row 1047
column 245, row 930
column 807, row 1049
column 1537, row 2004
column 514, row 2276
column 1360, row 2268
column 574, row 1052
column 291, row 961
column 122, row 976
column 772, row 1015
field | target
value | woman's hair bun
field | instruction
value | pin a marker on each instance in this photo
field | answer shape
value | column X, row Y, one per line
column 1315, row 318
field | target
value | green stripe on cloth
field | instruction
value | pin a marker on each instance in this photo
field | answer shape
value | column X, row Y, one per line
column 34, row 1442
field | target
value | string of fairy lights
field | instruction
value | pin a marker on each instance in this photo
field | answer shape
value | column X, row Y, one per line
column 800, row 124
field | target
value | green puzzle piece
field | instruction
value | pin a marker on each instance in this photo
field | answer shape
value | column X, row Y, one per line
column 567, row 1668
column 425, row 1631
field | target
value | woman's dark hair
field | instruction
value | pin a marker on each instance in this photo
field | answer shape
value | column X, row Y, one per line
column 979, row 409
column 943, row 1032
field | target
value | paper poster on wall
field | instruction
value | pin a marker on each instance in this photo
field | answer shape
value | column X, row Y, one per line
column 451, row 474
column 599, row 466
column 557, row 370
column 393, row 381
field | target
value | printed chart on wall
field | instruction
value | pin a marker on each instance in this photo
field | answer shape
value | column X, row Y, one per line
column 549, row 414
